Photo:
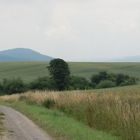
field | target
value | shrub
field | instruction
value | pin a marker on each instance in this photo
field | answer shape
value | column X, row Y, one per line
column 96, row 79
column 13, row 86
column 104, row 78
column 106, row 84
column 48, row 103
column 1, row 88
column 123, row 80
column 79, row 83
column 42, row 83
column 120, row 79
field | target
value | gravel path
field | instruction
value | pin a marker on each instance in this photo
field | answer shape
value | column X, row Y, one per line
column 19, row 127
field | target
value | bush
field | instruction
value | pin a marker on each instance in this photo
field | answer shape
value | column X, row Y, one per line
column 123, row 80
column 42, row 83
column 96, row 79
column 104, row 79
column 120, row 79
column 13, row 86
column 101, row 80
column 79, row 83
column 48, row 103
column 1, row 88
column 106, row 84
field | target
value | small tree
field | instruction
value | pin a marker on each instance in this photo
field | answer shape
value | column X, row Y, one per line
column 60, row 73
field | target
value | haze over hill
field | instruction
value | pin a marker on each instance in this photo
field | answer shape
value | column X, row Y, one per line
column 129, row 59
column 25, row 54
column 22, row 54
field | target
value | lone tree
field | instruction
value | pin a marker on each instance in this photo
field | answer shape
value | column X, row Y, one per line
column 60, row 73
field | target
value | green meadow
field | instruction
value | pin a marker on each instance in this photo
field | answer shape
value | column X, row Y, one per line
column 28, row 71
column 100, row 114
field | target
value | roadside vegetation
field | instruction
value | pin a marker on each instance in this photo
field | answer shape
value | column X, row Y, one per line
column 2, row 130
column 58, row 124
column 117, row 113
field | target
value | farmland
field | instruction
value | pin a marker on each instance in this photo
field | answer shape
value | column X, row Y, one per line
column 28, row 71
column 104, row 114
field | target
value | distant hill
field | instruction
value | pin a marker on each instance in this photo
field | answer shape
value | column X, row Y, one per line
column 125, row 59
column 130, row 59
column 22, row 54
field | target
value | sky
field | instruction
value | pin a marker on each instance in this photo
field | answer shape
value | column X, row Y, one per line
column 75, row 30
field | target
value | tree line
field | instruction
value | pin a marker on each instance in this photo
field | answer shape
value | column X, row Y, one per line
column 61, row 79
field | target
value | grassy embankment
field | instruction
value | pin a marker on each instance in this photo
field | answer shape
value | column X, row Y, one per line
column 29, row 71
column 116, row 113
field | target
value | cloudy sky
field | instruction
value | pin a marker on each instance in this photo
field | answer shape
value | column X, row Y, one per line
column 80, row 30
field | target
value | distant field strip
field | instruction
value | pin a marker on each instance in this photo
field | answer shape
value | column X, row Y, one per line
column 28, row 71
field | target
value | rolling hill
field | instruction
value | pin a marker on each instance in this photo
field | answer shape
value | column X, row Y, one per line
column 28, row 71
column 22, row 54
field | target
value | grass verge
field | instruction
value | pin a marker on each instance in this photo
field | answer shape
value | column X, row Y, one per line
column 59, row 125
column 2, row 130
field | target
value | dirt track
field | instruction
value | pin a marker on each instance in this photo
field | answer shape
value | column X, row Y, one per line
column 19, row 127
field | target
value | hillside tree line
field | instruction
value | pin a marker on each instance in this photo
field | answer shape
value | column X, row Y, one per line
column 61, row 79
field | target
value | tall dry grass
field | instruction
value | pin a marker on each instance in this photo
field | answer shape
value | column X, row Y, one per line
column 117, row 113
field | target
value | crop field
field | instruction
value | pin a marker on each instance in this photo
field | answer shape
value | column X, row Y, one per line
column 28, row 71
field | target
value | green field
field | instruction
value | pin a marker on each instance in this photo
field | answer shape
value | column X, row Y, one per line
column 112, row 116
column 60, row 126
column 83, row 115
column 28, row 71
